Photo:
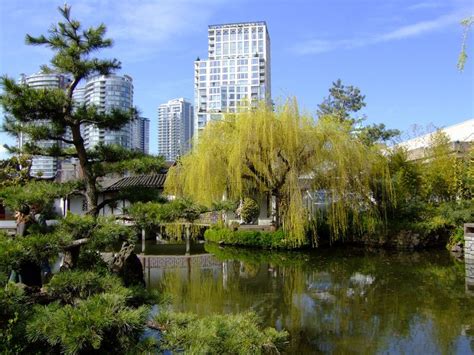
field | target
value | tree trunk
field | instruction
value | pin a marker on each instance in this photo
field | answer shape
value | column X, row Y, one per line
column 89, row 178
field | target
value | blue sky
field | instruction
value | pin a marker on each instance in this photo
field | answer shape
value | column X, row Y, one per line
column 401, row 53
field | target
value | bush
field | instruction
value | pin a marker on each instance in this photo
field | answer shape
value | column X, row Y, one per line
column 102, row 322
column 266, row 240
column 218, row 334
column 69, row 285
column 249, row 210
column 13, row 313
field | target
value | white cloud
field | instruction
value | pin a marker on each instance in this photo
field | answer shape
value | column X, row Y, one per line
column 424, row 5
column 315, row 46
column 141, row 28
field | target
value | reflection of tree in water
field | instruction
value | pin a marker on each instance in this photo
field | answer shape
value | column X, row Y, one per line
column 339, row 301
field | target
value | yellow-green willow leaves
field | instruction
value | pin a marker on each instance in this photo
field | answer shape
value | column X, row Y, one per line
column 283, row 153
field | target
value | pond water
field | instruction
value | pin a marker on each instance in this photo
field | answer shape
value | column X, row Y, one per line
column 339, row 300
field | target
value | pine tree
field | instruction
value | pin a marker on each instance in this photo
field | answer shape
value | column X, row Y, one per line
column 48, row 114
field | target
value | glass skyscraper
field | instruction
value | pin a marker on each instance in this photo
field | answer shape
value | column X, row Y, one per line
column 236, row 74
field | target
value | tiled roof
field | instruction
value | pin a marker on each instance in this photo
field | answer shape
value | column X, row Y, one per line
column 148, row 181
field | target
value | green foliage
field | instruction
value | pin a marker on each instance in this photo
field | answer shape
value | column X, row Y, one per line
column 70, row 285
column 218, row 334
column 37, row 194
column 49, row 113
column 101, row 322
column 36, row 248
column 259, row 239
column 13, row 313
column 341, row 102
column 250, row 210
column 102, row 232
column 152, row 214
column 466, row 24
column 268, row 151
column 15, row 170
column 376, row 133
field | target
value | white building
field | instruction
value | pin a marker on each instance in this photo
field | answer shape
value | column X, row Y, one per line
column 43, row 166
column 106, row 92
column 461, row 136
column 175, row 128
column 237, row 72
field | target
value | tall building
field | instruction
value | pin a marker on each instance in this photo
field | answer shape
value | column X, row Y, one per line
column 140, row 134
column 175, row 128
column 43, row 166
column 106, row 92
column 237, row 72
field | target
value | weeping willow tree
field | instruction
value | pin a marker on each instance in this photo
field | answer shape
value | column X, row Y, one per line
column 272, row 152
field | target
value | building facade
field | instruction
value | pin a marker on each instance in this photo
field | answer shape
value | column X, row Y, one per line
column 43, row 166
column 106, row 92
column 140, row 134
column 236, row 74
column 175, row 128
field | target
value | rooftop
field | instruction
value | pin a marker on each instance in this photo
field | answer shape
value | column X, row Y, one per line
column 237, row 24
column 147, row 181
column 460, row 132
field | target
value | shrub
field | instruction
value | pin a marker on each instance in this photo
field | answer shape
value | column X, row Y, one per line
column 249, row 210
column 218, row 334
column 266, row 240
column 13, row 312
column 69, row 285
column 102, row 322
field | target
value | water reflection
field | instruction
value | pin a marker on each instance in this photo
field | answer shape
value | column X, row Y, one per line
column 337, row 301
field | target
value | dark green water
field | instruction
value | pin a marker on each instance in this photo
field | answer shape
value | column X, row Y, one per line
column 332, row 300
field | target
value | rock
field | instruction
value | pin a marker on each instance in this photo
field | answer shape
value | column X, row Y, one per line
column 127, row 265
column 457, row 248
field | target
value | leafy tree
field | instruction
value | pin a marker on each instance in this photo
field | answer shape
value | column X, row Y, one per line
column 342, row 102
column 377, row 133
column 345, row 101
column 15, row 170
column 28, row 109
column 444, row 175
column 272, row 152
column 250, row 210
column 467, row 24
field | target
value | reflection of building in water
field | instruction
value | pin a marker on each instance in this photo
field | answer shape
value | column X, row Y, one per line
column 155, row 267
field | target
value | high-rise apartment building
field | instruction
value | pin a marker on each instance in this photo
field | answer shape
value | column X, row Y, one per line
column 236, row 74
column 140, row 134
column 43, row 166
column 175, row 128
column 106, row 92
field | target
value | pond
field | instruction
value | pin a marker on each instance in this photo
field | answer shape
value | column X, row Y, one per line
column 338, row 300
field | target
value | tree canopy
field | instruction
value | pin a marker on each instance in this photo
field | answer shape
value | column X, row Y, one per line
column 276, row 153
column 343, row 103
column 52, row 114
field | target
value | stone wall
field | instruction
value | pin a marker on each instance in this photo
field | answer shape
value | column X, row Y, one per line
column 469, row 241
column 469, row 256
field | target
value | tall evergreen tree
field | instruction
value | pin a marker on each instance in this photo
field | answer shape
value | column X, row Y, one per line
column 51, row 114
column 343, row 103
